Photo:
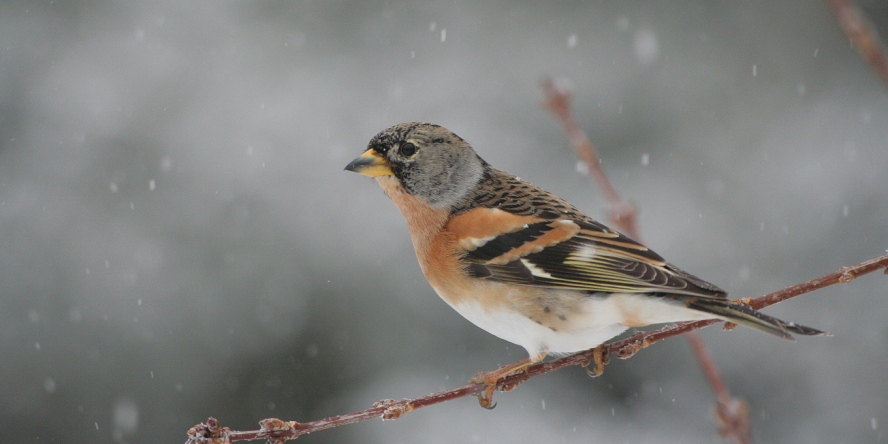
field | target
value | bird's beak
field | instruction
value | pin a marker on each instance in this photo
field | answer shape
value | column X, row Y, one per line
column 370, row 164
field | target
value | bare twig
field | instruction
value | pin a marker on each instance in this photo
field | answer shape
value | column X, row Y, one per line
column 622, row 214
column 731, row 412
column 211, row 432
column 862, row 34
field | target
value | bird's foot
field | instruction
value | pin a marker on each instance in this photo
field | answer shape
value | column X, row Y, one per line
column 599, row 358
column 490, row 379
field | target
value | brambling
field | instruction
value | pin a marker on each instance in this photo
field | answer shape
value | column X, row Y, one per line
column 523, row 264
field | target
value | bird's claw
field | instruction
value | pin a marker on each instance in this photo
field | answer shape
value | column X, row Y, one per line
column 491, row 379
column 485, row 401
column 600, row 359
column 485, row 397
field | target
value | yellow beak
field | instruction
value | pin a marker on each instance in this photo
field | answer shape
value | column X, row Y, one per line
column 370, row 164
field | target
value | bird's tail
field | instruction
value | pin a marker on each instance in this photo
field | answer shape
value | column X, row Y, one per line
column 743, row 315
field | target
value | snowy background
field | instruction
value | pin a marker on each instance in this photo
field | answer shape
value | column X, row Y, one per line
column 179, row 239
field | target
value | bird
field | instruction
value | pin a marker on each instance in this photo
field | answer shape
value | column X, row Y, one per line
column 525, row 265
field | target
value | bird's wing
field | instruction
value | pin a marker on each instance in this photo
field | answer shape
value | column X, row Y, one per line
column 540, row 240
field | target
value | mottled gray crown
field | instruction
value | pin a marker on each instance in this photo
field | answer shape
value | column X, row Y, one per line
column 441, row 168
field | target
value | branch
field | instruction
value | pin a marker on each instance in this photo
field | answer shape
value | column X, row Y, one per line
column 731, row 412
column 621, row 214
column 276, row 430
column 862, row 34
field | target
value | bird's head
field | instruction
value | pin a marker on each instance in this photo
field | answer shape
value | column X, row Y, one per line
column 425, row 160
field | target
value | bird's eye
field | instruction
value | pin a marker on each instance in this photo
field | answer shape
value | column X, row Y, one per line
column 408, row 149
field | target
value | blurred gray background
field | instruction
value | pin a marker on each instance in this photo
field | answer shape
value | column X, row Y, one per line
column 179, row 239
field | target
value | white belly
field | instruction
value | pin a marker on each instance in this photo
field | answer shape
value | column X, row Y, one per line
column 598, row 320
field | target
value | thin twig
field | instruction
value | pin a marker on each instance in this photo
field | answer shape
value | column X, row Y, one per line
column 862, row 34
column 730, row 412
column 621, row 213
column 212, row 432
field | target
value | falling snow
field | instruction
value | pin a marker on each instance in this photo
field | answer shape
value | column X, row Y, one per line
column 49, row 385
column 132, row 134
column 647, row 46
column 125, row 417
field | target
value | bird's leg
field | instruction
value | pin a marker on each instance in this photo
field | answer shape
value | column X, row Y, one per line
column 599, row 358
column 489, row 379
